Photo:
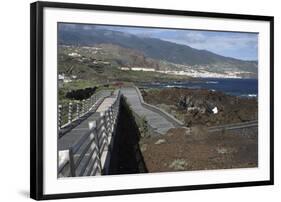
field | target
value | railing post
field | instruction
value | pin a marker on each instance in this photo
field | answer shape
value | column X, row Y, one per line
column 105, row 124
column 94, row 99
column 63, row 158
column 91, row 101
column 107, row 127
column 71, row 163
column 83, row 106
column 103, row 128
column 77, row 110
column 69, row 112
column 59, row 116
column 88, row 105
column 105, row 145
column 111, row 119
column 93, row 128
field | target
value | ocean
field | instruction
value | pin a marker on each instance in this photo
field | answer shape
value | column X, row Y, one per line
column 236, row 87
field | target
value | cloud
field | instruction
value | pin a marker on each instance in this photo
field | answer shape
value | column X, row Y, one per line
column 194, row 37
column 238, row 45
column 230, row 44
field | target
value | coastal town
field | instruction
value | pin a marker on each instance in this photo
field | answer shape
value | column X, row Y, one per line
column 197, row 70
column 200, row 72
column 127, row 106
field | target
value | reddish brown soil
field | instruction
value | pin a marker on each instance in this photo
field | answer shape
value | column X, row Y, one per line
column 199, row 150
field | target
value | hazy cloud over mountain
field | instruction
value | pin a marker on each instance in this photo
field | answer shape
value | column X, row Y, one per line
column 231, row 44
column 215, row 51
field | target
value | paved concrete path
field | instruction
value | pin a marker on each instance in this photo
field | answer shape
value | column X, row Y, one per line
column 77, row 132
column 158, row 122
column 106, row 103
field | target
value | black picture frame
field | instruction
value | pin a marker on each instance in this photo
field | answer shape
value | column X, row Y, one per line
column 36, row 99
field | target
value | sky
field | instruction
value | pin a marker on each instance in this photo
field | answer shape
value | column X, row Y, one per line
column 230, row 44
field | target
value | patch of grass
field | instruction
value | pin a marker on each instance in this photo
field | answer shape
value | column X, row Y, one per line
column 178, row 164
column 82, row 84
column 143, row 127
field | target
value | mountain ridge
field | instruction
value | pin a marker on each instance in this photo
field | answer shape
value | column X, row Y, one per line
column 155, row 48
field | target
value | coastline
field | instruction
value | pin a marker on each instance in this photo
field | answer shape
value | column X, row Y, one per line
column 242, row 87
column 196, row 147
column 194, row 106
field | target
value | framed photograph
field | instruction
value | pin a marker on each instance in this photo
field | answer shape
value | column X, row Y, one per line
column 134, row 100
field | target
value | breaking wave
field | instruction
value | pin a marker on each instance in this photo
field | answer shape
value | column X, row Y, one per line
column 212, row 82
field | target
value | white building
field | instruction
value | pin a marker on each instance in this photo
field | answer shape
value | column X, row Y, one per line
column 74, row 54
column 125, row 68
column 143, row 69
column 64, row 79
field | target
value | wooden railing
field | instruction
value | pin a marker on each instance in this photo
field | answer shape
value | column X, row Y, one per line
column 72, row 111
column 91, row 154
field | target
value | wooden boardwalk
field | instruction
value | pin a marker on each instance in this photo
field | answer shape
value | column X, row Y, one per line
column 156, row 120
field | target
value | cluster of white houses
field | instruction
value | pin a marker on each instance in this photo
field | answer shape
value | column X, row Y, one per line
column 62, row 78
column 187, row 72
column 138, row 69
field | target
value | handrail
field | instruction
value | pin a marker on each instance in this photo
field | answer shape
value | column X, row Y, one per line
column 90, row 155
column 234, row 126
column 72, row 111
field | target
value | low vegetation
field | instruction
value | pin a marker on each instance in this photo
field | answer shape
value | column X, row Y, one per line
column 185, row 150
column 143, row 127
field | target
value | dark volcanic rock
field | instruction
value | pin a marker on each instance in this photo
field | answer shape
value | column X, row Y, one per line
column 81, row 94
column 196, row 111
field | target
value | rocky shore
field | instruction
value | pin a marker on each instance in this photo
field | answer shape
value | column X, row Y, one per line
column 203, row 107
column 195, row 147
